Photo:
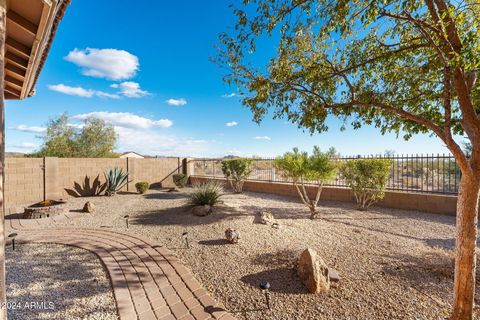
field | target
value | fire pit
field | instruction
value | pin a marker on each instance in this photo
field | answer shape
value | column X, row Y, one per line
column 45, row 209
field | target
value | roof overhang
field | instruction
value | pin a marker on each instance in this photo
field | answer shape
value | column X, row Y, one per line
column 31, row 27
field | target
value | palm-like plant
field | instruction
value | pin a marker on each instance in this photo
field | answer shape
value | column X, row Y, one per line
column 116, row 178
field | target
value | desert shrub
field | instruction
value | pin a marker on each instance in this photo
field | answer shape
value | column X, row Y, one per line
column 180, row 180
column 142, row 186
column 116, row 178
column 367, row 178
column 315, row 169
column 236, row 171
column 206, row 193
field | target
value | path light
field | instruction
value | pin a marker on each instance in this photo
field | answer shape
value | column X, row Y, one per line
column 265, row 286
column 185, row 236
column 126, row 219
column 13, row 235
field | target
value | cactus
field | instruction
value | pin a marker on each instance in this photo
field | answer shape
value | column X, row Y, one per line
column 116, row 178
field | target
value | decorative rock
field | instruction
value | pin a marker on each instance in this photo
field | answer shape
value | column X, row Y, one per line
column 275, row 225
column 232, row 235
column 89, row 207
column 202, row 211
column 264, row 217
column 334, row 277
column 313, row 272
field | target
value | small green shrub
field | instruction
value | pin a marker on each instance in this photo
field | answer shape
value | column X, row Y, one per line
column 303, row 169
column 206, row 193
column 367, row 178
column 180, row 180
column 142, row 186
column 236, row 171
column 116, row 178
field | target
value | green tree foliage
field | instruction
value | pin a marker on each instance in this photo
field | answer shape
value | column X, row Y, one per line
column 403, row 66
column 96, row 139
column 237, row 171
column 59, row 139
column 367, row 178
column 303, row 169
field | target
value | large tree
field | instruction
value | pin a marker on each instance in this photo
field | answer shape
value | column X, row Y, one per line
column 95, row 139
column 404, row 66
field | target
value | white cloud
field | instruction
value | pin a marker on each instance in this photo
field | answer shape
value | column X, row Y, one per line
column 81, row 92
column 176, row 102
column 154, row 143
column 231, row 124
column 76, row 125
column 26, row 128
column 130, row 89
column 126, row 120
column 229, row 95
column 73, row 91
column 102, row 94
column 24, row 145
column 111, row 64
column 262, row 138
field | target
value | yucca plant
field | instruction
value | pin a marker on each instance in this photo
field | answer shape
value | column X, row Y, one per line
column 116, row 178
column 208, row 193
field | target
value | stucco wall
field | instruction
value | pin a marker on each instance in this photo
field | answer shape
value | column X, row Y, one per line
column 29, row 180
column 433, row 203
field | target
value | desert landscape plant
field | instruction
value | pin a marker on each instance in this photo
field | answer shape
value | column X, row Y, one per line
column 115, row 178
column 367, row 178
column 237, row 171
column 404, row 66
column 142, row 186
column 303, row 169
column 207, row 193
column 180, row 180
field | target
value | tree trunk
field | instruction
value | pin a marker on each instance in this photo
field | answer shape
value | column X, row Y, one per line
column 465, row 260
column 313, row 211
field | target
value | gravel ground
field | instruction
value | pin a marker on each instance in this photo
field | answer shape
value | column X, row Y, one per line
column 57, row 282
column 393, row 264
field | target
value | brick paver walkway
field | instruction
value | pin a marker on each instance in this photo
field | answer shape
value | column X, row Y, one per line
column 148, row 281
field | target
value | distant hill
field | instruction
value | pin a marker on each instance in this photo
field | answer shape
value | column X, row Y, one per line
column 14, row 155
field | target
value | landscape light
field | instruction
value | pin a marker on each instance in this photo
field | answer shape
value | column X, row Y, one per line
column 265, row 286
column 13, row 235
column 185, row 236
column 126, row 219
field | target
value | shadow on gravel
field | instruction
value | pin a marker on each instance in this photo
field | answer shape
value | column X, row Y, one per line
column 183, row 216
column 55, row 280
column 165, row 195
column 282, row 280
column 430, row 273
column 283, row 258
column 214, row 242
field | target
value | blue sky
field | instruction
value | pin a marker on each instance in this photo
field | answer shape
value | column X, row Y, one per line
column 145, row 69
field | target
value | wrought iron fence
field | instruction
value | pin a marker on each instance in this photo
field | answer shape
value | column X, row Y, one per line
column 415, row 173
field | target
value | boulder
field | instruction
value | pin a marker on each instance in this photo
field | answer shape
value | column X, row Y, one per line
column 232, row 235
column 89, row 207
column 313, row 272
column 202, row 211
column 264, row 217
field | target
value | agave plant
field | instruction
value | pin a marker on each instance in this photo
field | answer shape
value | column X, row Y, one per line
column 116, row 179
